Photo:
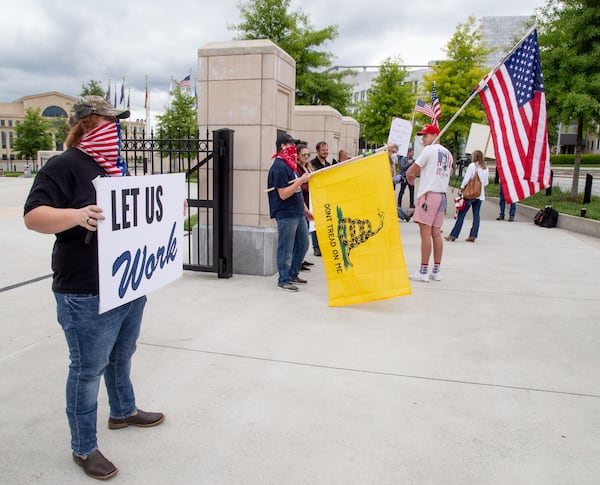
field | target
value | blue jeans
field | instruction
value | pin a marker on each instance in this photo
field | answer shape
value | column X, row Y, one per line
column 411, row 192
column 476, row 205
column 512, row 209
column 292, row 244
column 99, row 345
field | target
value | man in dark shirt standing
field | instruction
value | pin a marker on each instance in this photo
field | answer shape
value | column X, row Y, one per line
column 319, row 162
column 286, row 205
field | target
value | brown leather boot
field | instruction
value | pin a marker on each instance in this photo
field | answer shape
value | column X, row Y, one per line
column 95, row 465
column 140, row 418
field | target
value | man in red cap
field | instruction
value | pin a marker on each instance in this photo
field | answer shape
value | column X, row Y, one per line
column 433, row 166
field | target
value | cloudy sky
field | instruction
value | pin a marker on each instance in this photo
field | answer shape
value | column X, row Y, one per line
column 57, row 45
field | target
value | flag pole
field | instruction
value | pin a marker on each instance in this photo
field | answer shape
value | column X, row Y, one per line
column 412, row 120
column 147, row 106
column 483, row 83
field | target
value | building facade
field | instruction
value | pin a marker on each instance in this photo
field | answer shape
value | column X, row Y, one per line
column 52, row 105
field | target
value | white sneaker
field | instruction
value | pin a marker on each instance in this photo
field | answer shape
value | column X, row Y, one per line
column 436, row 276
column 419, row 277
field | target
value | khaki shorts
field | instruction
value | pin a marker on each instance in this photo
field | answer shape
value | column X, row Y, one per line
column 430, row 209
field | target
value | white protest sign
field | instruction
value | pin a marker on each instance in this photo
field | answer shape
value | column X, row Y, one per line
column 400, row 135
column 140, row 241
column 480, row 138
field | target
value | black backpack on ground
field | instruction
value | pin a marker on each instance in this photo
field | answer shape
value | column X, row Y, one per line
column 546, row 217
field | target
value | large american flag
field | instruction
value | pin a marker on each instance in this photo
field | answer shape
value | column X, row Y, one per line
column 515, row 104
column 423, row 107
column 435, row 105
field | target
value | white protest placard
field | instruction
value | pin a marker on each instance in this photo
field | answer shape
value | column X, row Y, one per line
column 400, row 132
column 140, row 241
column 480, row 138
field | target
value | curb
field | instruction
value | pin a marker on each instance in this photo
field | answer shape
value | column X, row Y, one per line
column 589, row 227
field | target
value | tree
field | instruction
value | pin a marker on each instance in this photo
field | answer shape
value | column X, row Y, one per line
column 92, row 88
column 455, row 79
column 33, row 135
column 178, row 121
column 569, row 50
column 60, row 128
column 293, row 32
column 389, row 96
column 181, row 115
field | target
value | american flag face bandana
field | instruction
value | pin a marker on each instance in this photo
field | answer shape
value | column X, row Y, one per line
column 103, row 144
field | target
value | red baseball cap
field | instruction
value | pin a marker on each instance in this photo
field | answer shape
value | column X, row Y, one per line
column 429, row 130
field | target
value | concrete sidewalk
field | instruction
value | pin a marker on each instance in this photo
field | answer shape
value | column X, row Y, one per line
column 487, row 377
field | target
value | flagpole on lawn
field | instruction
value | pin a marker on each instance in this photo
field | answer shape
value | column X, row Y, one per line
column 483, row 83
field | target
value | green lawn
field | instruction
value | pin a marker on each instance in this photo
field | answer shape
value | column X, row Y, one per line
column 560, row 200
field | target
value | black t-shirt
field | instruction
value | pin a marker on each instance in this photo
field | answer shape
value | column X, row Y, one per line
column 65, row 181
column 317, row 164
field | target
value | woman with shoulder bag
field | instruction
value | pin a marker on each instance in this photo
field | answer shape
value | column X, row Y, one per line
column 472, row 187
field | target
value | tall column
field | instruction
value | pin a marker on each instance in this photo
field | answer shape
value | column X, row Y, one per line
column 248, row 86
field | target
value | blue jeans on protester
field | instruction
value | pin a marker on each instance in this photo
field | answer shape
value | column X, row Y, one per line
column 476, row 205
column 512, row 209
column 99, row 345
column 292, row 245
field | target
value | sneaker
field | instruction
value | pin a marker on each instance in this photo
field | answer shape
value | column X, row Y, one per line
column 298, row 281
column 500, row 218
column 436, row 276
column 419, row 277
column 307, row 263
column 470, row 239
column 511, row 218
column 304, row 267
column 409, row 215
column 288, row 287
column 450, row 238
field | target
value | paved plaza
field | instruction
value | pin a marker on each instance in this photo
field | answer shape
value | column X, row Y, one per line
column 490, row 376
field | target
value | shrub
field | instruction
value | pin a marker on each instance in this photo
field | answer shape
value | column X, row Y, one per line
column 569, row 160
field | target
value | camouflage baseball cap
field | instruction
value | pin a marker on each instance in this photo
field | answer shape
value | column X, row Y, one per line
column 90, row 105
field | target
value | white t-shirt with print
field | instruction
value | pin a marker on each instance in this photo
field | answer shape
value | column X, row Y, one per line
column 436, row 164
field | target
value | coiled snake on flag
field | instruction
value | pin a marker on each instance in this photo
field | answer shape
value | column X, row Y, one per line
column 354, row 232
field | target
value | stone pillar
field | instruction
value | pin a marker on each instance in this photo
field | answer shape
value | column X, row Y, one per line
column 248, row 86
column 350, row 134
column 313, row 124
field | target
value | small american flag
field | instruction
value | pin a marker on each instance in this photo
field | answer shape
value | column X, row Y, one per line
column 515, row 104
column 185, row 82
column 423, row 107
column 435, row 104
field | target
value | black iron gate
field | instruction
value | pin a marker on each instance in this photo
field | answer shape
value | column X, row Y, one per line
column 208, row 165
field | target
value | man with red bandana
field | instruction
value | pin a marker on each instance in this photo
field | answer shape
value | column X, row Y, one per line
column 286, row 206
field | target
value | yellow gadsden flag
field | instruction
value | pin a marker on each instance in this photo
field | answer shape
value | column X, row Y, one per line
column 357, row 226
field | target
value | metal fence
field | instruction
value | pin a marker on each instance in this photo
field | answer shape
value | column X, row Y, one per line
column 208, row 165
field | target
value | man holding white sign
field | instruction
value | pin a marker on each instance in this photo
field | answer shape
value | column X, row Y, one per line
column 62, row 201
